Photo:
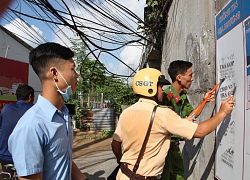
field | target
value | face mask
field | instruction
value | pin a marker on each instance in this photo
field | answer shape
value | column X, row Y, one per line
column 68, row 91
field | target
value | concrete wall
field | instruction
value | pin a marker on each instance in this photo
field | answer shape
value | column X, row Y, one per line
column 190, row 36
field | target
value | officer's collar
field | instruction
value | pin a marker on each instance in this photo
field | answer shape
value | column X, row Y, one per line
column 172, row 93
column 147, row 100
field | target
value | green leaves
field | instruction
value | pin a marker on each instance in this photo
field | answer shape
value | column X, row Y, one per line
column 94, row 82
column 154, row 17
column 152, row 3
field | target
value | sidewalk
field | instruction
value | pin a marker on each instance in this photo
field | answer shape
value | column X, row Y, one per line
column 93, row 157
column 97, row 166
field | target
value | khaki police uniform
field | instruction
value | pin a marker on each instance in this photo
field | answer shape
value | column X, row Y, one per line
column 131, row 130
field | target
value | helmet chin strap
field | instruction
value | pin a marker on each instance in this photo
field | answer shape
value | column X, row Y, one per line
column 156, row 99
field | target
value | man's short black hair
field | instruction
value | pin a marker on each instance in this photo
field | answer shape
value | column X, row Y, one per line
column 48, row 54
column 178, row 67
column 24, row 91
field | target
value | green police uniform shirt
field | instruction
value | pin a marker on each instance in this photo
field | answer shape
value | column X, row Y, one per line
column 178, row 102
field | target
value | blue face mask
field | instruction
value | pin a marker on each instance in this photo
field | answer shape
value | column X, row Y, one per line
column 68, row 91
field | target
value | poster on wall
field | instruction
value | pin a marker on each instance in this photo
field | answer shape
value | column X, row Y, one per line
column 229, row 135
column 247, row 137
column 247, row 35
column 230, row 64
column 11, row 74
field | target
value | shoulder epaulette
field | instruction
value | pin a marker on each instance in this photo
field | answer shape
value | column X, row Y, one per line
column 169, row 107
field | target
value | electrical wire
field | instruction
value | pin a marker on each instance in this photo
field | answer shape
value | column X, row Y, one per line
column 110, row 26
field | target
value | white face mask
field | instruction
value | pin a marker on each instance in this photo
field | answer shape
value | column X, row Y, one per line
column 68, row 91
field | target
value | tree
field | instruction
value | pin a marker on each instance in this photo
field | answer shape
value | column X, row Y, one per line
column 117, row 92
column 93, row 80
column 155, row 18
column 92, row 72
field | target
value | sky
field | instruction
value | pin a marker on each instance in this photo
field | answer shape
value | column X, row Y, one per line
column 130, row 55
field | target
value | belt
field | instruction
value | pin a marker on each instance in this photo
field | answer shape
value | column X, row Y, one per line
column 174, row 145
column 174, row 138
column 133, row 176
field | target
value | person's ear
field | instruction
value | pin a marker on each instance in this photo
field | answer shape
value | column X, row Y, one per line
column 30, row 99
column 178, row 77
column 53, row 73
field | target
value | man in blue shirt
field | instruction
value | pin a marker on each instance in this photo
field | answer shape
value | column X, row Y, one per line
column 41, row 143
column 10, row 115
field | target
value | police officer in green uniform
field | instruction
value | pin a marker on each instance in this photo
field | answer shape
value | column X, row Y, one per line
column 180, row 73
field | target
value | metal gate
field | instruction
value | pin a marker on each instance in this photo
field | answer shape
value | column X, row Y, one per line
column 103, row 119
